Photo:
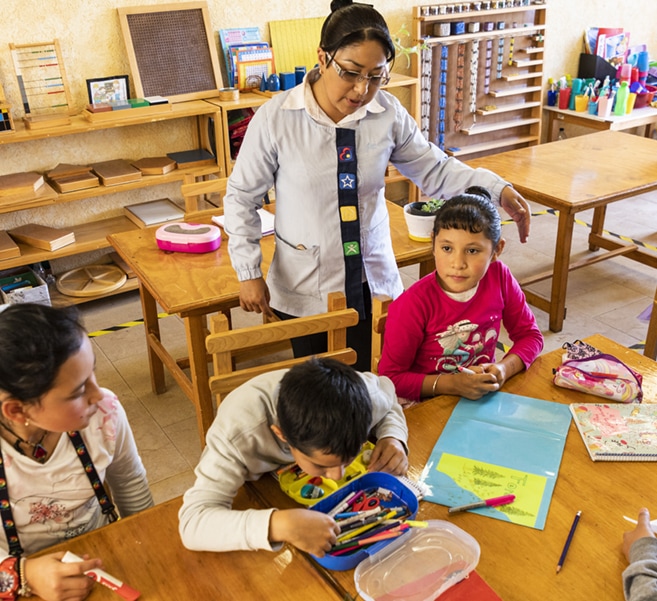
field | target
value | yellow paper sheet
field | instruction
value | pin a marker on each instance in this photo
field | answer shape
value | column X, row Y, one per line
column 486, row 480
column 295, row 43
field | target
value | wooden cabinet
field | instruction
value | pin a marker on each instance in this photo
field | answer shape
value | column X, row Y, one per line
column 481, row 74
column 92, row 236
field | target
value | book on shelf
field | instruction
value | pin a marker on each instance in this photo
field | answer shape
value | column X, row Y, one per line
column 617, row 431
column 67, row 170
column 117, row 171
column 42, row 236
column 199, row 157
column 8, row 248
column 153, row 212
column 155, row 165
column 70, row 183
column 20, row 183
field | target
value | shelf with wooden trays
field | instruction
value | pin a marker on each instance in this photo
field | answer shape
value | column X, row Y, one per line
column 92, row 236
column 482, row 87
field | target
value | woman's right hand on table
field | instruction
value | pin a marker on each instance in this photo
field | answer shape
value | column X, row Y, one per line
column 254, row 296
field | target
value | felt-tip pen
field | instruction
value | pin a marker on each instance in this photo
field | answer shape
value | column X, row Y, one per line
column 122, row 589
column 464, row 370
column 494, row 502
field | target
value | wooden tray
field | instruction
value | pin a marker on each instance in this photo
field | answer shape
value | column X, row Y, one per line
column 135, row 113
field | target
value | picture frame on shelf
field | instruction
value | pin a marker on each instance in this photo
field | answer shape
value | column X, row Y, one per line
column 108, row 89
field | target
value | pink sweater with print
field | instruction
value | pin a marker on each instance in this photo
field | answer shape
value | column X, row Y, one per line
column 428, row 332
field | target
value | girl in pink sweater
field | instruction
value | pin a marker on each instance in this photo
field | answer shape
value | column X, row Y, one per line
column 441, row 333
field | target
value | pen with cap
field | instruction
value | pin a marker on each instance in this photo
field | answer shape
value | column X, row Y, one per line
column 494, row 502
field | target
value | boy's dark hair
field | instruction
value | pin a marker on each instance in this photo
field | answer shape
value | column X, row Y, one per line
column 35, row 340
column 472, row 211
column 352, row 23
column 324, row 405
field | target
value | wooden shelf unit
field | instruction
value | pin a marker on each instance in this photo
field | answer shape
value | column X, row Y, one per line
column 503, row 109
column 92, row 236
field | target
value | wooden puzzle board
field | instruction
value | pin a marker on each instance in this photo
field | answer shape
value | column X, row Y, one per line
column 171, row 51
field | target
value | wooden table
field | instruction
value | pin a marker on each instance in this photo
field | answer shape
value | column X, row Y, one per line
column 643, row 117
column 520, row 562
column 145, row 552
column 573, row 175
column 195, row 285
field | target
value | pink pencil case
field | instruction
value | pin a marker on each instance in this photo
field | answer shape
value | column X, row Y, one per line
column 188, row 237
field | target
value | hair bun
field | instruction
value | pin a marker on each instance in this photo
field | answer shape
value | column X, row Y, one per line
column 338, row 4
column 479, row 191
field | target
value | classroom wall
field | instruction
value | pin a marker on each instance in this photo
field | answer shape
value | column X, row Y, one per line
column 92, row 46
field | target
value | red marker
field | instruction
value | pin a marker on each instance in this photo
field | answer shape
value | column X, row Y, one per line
column 494, row 502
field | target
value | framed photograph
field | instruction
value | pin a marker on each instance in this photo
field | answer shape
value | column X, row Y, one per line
column 108, row 89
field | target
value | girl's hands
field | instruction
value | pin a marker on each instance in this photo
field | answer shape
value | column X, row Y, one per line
column 53, row 580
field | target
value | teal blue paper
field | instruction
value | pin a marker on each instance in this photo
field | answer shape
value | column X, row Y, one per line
column 507, row 430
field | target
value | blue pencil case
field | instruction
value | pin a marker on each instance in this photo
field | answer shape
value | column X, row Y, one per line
column 402, row 495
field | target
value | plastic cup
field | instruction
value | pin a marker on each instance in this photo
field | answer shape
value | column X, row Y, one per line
column 552, row 98
column 593, row 108
column 604, row 106
column 564, row 97
column 581, row 103
column 631, row 99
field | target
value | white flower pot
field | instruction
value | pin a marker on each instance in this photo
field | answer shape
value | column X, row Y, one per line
column 420, row 227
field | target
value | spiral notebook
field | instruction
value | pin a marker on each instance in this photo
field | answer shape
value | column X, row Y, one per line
column 617, row 432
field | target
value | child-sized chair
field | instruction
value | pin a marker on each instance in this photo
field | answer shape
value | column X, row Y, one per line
column 204, row 198
column 228, row 347
column 380, row 306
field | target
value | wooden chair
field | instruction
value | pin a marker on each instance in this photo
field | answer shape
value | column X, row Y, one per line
column 651, row 336
column 204, row 198
column 380, row 306
column 228, row 347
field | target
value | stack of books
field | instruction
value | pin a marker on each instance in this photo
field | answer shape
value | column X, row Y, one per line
column 67, row 178
column 20, row 183
column 42, row 236
column 118, row 171
column 153, row 212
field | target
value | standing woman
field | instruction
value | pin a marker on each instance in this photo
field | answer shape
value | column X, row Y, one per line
column 325, row 146
column 63, row 439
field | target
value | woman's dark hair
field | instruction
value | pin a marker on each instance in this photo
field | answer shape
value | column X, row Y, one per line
column 324, row 405
column 353, row 23
column 472, row 211
column 35, row 340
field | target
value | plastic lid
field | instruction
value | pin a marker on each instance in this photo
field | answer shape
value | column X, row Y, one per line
column 419, row 566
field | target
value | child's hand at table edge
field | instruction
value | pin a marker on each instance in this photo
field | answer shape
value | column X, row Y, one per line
column 469, row 385
column 53, row 580
column 643, row 529
column 389, row 455
column 310, row 531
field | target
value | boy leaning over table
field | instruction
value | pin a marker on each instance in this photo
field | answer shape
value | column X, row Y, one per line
column 317, row 414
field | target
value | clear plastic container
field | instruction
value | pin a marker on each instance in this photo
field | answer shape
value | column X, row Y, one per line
column 419, row 566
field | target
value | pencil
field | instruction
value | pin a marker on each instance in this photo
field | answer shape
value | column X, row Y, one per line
column 568, row 541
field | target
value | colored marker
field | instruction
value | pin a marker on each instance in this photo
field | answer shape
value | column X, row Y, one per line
column 125, row 591
column 464, row 370
column 494, row 502
column 568, row 541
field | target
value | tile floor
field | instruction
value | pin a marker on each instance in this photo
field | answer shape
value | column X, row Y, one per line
column 607, row 298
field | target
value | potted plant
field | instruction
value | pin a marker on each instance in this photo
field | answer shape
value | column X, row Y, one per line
column 420, row 217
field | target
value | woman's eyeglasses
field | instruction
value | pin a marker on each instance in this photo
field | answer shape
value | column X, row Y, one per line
column 354, row 77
